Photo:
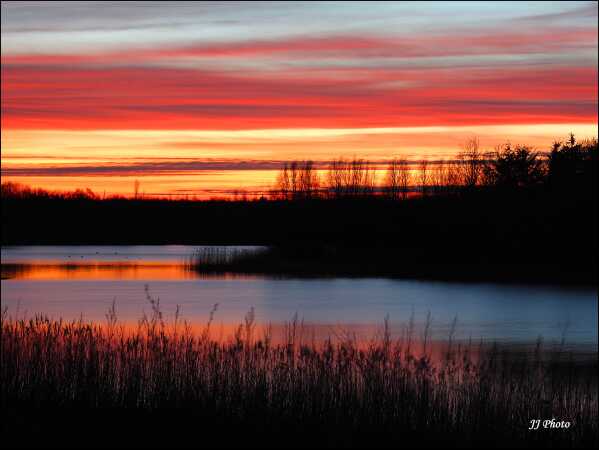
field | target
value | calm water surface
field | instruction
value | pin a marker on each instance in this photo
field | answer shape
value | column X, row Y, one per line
column 74, row 281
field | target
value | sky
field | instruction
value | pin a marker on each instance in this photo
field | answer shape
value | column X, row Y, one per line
column 207, row 98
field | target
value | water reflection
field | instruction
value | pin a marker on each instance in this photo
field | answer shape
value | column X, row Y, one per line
column 108, row 271
column 126, row 262
column 95, row 271
column 41, row 280
column 101, row 254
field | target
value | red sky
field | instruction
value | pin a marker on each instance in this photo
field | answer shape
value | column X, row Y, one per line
column 205, row 98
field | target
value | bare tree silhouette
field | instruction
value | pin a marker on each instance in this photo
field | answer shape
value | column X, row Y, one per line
column 423, row 176
column 136, row 189
column 471, row 162
column 297, row 179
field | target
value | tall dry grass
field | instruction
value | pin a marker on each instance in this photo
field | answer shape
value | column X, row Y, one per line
column 341, row 392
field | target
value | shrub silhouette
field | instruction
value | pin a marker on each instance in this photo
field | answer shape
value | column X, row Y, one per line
column 517, row 167
column 573, row 165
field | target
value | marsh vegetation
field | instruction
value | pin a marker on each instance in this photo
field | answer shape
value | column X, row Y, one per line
column 337, row 392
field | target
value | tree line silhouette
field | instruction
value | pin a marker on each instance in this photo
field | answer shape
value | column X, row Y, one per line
column 512, row 213
column 506, row 168
column 569, row 165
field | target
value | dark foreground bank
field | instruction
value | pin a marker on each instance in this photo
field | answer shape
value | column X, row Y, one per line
column 309, row 260
column 82, row 385
column 528, row 235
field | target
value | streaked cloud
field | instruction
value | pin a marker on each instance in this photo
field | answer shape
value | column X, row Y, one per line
column 160, row 98
column 240, row 86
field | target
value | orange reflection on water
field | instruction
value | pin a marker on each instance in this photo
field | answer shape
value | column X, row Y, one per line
column 97, row 271
column 297, row 334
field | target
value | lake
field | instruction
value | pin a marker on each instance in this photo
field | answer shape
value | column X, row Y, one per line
column 84, row 281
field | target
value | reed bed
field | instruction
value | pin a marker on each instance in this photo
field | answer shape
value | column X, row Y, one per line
column 218, row 259
column 247, row 390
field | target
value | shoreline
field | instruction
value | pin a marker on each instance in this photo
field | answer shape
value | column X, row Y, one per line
column 512, row 274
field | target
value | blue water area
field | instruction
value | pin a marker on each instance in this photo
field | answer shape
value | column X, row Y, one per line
column 491, row 312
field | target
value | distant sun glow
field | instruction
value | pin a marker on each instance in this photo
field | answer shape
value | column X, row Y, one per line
column 211, row 98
